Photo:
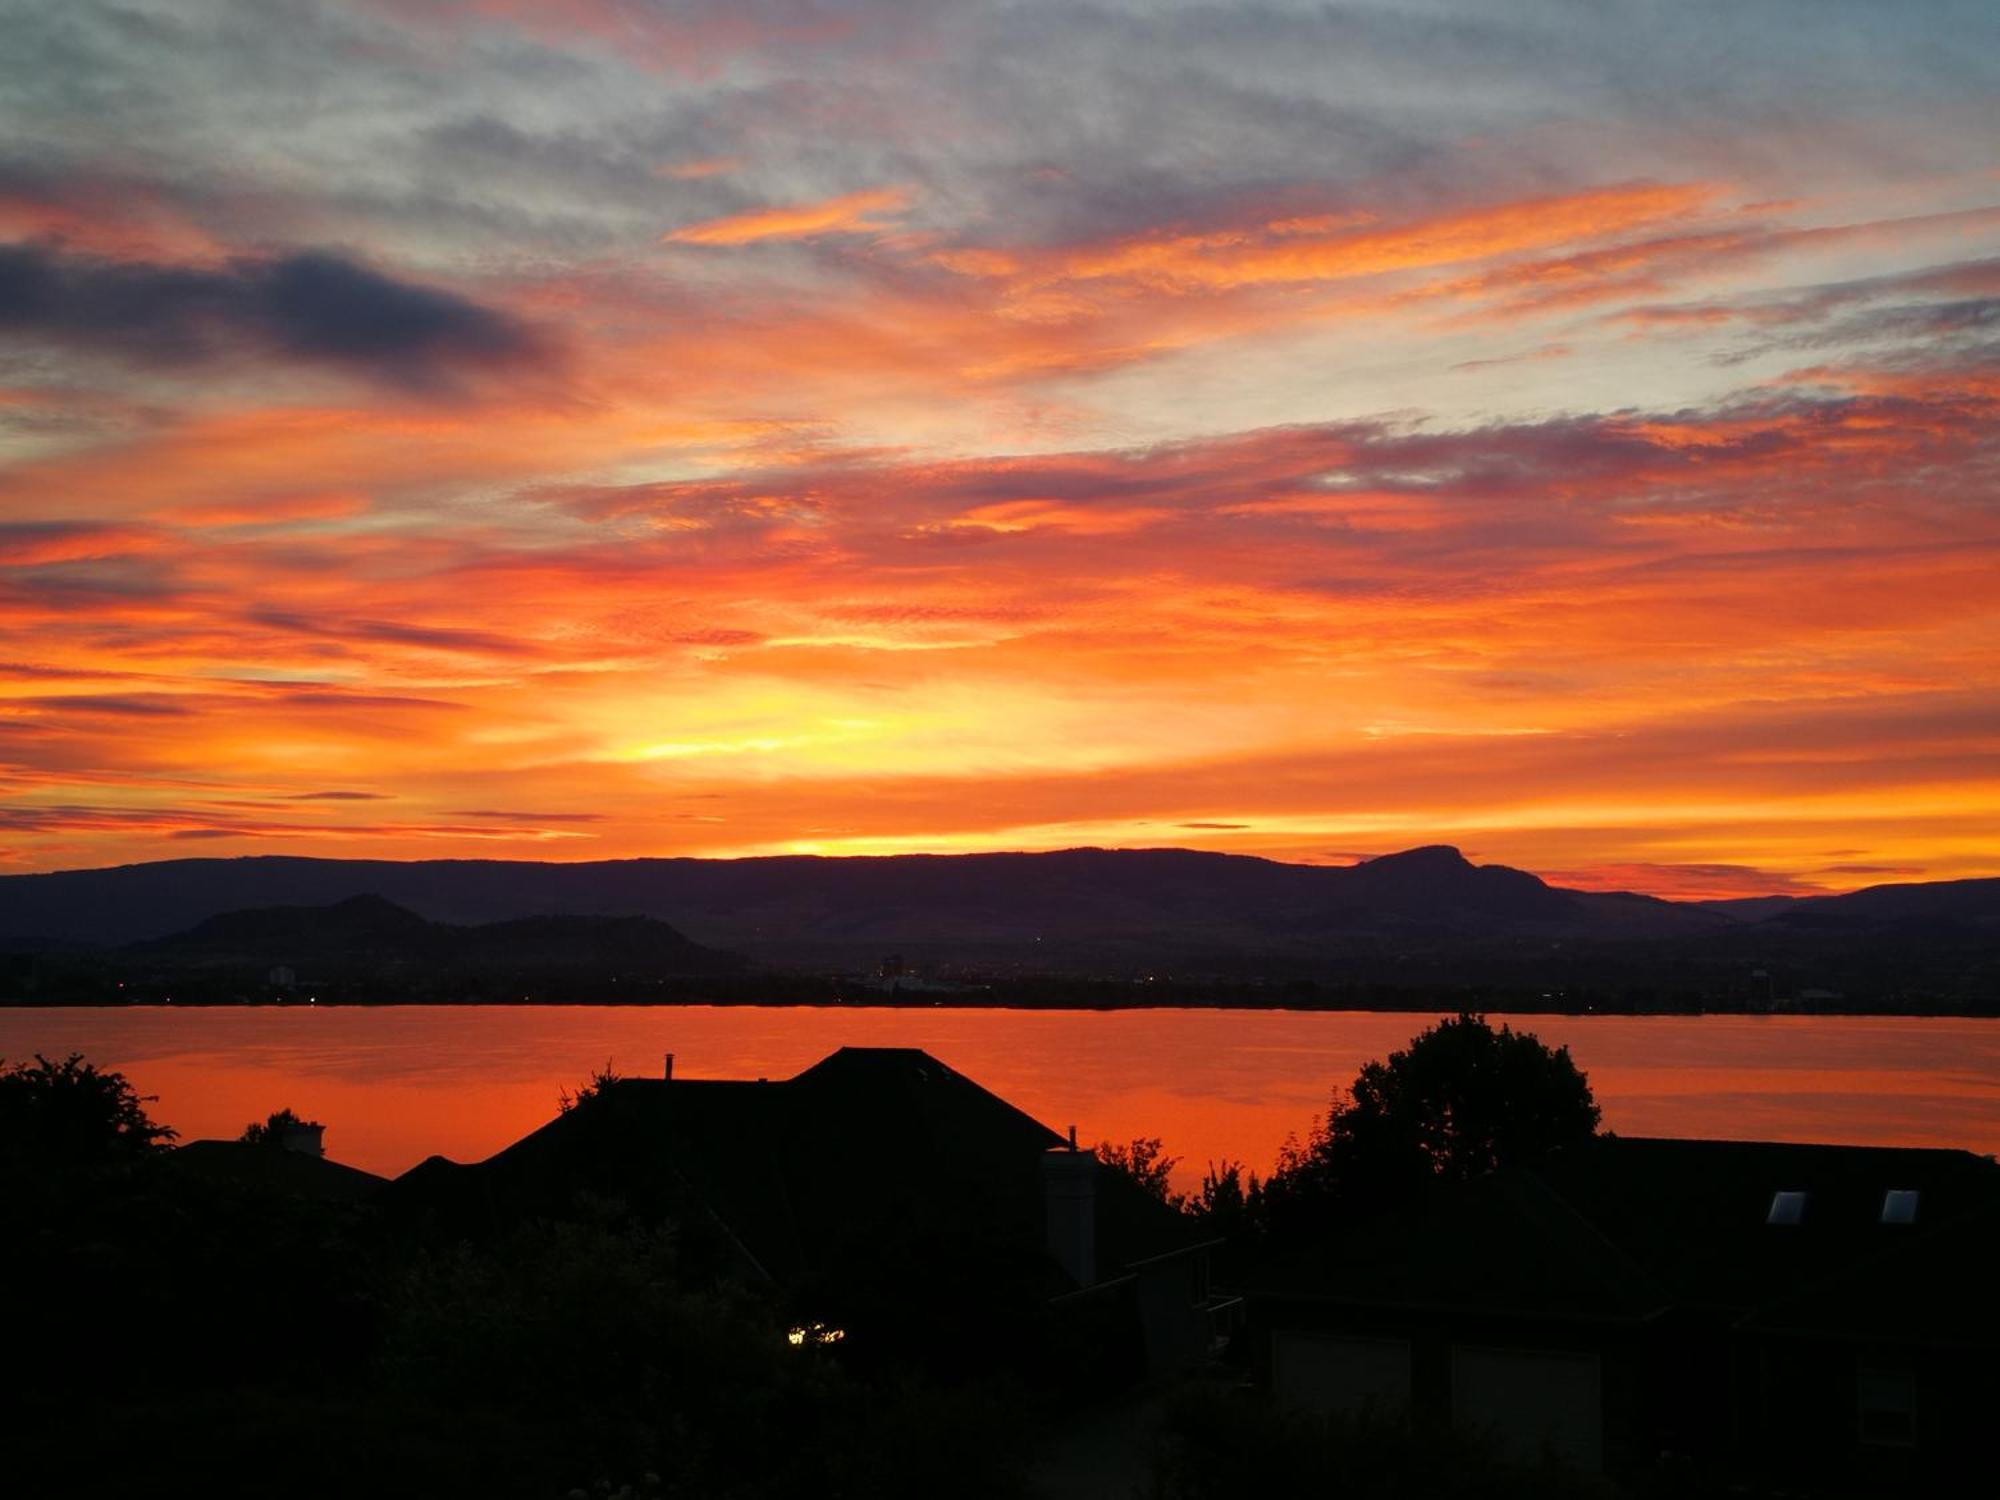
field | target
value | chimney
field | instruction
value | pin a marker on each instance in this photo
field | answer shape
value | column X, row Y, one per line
column 1069, row 1193
column 305, row 1137
column 668, row 1071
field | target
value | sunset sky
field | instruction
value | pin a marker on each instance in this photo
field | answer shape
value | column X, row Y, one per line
column 573, row 429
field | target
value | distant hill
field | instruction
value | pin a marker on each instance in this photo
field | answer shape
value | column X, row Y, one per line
column 368, row 934
column 1975, row 903
column 820, row 907
column 1423, row 917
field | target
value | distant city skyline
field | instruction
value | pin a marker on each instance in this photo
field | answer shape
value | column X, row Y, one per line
column 606, row 428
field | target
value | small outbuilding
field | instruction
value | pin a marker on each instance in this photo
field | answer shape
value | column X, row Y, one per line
column 1800, row 1317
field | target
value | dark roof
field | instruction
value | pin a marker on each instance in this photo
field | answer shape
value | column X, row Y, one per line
column 869, row 1147
column 1625, row 1228
column 1934, row 1286
column 1506, row 1243
column 1694, row 1212
column 272, row 1169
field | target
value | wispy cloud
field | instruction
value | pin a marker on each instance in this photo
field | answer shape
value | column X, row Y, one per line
column 633, row 427
column 850, row 213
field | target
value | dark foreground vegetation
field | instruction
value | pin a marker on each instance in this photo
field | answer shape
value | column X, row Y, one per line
column 249, row 1319
column 241, row 1334
column 192, row 1335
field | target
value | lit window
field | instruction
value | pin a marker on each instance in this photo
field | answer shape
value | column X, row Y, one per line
column 814, row 1333
column 1899, row 1206
column 1886, row 1406
column 1786, row 1208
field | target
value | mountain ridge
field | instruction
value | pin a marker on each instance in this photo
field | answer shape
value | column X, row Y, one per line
column 368, row 933
column 126, row 903
column 1426, row 919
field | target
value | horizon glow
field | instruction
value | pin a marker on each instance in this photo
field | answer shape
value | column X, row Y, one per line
column 600, row 428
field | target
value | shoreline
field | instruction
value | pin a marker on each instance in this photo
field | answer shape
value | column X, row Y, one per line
column 1438, row 1006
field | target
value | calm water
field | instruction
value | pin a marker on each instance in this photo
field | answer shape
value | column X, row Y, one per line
column 394, row 1085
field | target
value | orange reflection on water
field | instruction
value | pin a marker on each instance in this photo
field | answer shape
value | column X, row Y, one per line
column 397, row 1084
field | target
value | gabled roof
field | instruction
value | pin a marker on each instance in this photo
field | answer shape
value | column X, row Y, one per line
column 869, row 1147
column 1932, row 1286
column 1624, row 1228
column 1694, row 1213
column 1506, row 1244
column 272, row 1169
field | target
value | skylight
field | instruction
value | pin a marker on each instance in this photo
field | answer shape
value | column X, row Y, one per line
column 1899, row 1206
column 1787, row 1207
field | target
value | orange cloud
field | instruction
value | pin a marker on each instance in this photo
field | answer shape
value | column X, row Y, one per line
column 833, row 631
column 875, row 564
column 701, row 167
column 35, row 545
column 852, row 213
column 1295, row 250
column 119, row 221
column 1079, row 520
column 278, row 510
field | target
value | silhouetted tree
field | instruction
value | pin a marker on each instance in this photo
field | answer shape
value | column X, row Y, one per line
column 1146, row 1163
column 1459, row 1101
column 601, row 1080
column 72, row 1113
column 271, row 1132
column 1228, row 1198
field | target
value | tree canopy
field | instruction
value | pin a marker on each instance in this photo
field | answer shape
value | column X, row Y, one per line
column 1144, row 1161
column 272, row 1130
column 1459, row 1101
column 72, row 1113
column 594, row 1089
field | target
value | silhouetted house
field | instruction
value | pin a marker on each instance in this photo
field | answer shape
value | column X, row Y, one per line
column 296, row 1172
column 1802, row 1317
column 886, row 1195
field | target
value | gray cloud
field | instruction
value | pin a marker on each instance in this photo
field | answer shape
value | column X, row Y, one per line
column 150, row 706
column 1037, row 121
column 312, row 306
column 434, row 637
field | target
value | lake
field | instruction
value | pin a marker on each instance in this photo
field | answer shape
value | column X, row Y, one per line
column 396, row 1084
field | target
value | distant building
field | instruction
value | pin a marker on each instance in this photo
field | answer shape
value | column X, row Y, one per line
column 293, row 1173
column 1802, row 1318
column 885, row 1194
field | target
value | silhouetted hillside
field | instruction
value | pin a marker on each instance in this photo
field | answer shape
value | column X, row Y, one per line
column 1970, row 903
column 276, row 934
column 1439, row 882
column 1423, row 918
column 808, row 905
column 367, row 947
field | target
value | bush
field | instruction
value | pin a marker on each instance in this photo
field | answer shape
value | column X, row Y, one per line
column 72, row 1114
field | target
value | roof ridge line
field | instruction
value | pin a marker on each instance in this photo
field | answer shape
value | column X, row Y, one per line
column 1624, row 1257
